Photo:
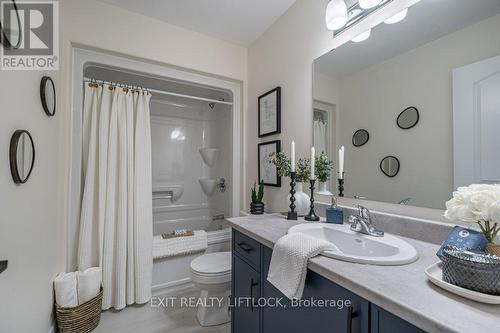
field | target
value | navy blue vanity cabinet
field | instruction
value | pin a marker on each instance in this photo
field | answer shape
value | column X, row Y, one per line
column 313, row 317
column 246, row 286
column 385, row 322
column 245, row 316
column 251, row 262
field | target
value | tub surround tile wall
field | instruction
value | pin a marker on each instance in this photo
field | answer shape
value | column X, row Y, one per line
column 401, row 290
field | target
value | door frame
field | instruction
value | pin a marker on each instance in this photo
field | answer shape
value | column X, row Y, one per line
column 467, row 120
column 82, row 57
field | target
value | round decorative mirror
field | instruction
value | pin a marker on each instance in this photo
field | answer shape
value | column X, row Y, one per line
column 360, row 137
column 22, row 156
column 10, row 31
column 408, row 118
column 48, row 95
column 390, row 166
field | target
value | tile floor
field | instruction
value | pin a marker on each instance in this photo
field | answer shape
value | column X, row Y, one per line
column 146, row 319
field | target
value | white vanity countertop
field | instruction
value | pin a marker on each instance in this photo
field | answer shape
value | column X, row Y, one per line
column 402, row 290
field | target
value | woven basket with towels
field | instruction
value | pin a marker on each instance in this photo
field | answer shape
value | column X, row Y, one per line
column 83, row 318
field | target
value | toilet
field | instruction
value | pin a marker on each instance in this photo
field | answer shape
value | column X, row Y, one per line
column 211, row 272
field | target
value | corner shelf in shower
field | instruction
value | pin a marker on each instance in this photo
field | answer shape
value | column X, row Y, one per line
column 209, row 155
column 208, row 185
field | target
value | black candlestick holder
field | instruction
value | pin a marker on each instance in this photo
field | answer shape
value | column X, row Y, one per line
column 341, row 185
column 312, row 215
column 292, row 214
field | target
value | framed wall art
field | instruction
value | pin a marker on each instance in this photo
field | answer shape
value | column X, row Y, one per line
column 270, row 113
column 268, row 172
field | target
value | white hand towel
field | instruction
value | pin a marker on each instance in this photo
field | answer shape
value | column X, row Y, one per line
column 65, row 289
column 288, row 267
column 89, row 284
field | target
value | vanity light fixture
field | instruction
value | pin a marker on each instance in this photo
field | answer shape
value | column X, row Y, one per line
column 336, row 14
column 362, row 36
column 365, row 4
column 397, row 18
column 355, row 13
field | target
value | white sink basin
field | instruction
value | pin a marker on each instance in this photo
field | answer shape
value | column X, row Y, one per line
column 355, row 247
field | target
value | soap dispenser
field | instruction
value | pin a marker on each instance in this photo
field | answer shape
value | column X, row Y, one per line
column 334, row 214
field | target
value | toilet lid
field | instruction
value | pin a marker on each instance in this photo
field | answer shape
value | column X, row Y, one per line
column 212, row 263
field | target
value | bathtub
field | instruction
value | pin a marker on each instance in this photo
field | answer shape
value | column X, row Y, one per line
column 172, row 275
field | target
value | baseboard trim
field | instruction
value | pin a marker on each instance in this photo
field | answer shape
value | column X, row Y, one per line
column 172, row 287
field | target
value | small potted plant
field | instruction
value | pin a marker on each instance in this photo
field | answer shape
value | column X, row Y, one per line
column 257, row 206
column 478, row 203
column 323, row 171
column 302, row 168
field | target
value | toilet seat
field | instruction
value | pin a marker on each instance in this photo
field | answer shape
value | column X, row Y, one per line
column 212, row 268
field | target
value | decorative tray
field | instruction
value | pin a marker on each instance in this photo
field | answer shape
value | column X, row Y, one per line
column 435, row 274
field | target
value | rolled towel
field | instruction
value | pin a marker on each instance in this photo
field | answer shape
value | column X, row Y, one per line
column 65, row 289
column 89, row 284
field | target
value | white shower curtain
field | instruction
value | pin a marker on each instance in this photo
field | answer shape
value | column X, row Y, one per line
column 319, row 139
column 116, row 228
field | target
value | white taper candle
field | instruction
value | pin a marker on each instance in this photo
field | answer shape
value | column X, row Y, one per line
column 341, row 162
column 292, row 167
column 312, row 164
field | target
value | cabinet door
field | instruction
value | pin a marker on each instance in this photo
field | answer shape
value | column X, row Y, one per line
column 317, row 319
column 385, row 322
column 245, row 290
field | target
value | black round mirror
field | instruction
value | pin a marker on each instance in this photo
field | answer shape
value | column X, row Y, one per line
column 22, row 156
column 390, row 166
column 408, row 118
column 10, row 25
column 48, row 95
column 360, row 137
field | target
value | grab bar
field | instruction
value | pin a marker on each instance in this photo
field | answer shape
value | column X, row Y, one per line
column 163, row 197
column 168, row 195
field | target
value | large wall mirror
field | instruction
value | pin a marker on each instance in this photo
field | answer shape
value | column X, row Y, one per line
column 440, row 59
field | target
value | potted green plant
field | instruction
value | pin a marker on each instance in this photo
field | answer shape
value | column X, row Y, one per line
column 323, row 168
column 257, row 206
column 302, row 168
column 478, row 203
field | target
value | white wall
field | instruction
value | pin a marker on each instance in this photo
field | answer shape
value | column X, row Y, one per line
column 31, row 231
column 33, row 216
column 283, row 56
column 325, row 89
column 373, row 98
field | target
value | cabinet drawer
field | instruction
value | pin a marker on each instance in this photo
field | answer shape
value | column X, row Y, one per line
column 247, row 248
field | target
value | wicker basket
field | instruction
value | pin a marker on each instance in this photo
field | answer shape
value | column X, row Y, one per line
column 83, row 318
column 493, row 249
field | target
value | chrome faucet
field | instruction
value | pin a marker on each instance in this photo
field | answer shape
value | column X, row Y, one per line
column 362, row 223
column 404, row 201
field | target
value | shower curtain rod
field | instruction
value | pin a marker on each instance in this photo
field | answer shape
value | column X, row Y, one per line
column 156, row 91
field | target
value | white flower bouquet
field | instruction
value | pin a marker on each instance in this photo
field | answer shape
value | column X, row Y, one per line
column 477, row 203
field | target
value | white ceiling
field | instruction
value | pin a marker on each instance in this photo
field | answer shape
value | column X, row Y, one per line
column 236, row 21
column 428, row 20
